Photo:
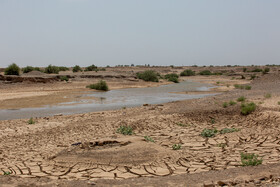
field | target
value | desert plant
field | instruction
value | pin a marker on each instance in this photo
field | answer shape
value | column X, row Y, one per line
column 257, row 70
column 7, row 173
column 225, row 104
column 244, row 69
column 250, row 159
column 167, row 76
column 125, row 130
column 64, row 78
column 212, row 120
column 248, row 87
column 222, row 145
column 27, row 69
column 91, row 68
column 52, row 69
column 77, row 68
column 12, row 69
column 241, row 99
column 31, row 121
column 187, row 72
column 266, row 70
column 231, row 103
column 176, row 146
column 101, row 85
column 209, row 132
column 63, row 68
column 173, row 79
column 205, row 72
column 267, row 95
column 247, row 108
column 278, row 102
column 253, row 77
column 228, row 130
column 148, row 75
column 149, row 139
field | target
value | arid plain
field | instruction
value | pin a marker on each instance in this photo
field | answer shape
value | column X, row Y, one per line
column 167, row 146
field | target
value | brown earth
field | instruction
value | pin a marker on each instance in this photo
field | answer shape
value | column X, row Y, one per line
column 85, row 149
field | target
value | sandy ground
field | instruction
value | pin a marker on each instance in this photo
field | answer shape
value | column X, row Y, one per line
column 85, row 149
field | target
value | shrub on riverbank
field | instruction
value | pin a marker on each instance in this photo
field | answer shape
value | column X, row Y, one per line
column 12, row 69
column 77, row 68
column 187, row 72
column 52, row 69
column 101, row 85
column 148, row 75
column 173, row 77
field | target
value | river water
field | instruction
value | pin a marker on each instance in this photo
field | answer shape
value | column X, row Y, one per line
column 114, row 99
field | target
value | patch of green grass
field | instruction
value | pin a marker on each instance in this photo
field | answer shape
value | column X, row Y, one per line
column 225, row 104
column 12, row 69
column 7, row 173
column 247, row 108
column 250, row 159
column 241, row 99
column 231, row 103
column 64, row 78
column 187, row 72
column 209, row 132
column 101, row 85
column 267, row 95
column 228, row 130
column 248, row 87
column 125, row 130
column 176, row 146
column 148, row 75
column 31, row 121
column 149, row 139
column 238, row 86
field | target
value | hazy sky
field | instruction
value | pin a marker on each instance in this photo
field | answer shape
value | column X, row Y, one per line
column 155, row 32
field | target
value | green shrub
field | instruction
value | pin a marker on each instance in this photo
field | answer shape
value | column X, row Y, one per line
column 257, row 70
column 253, row 77
column 173, row 79
column 125, row 130
column 225, row 104
column 52, row 69
column 64, row 78
column 267, row 95
column 266, row 70
column 101, row 85
column 247, row 108
column 12, row 69
column 77, row 68
column 31, row 121
column 91, row 68
column 232, row 103
column 27, row 69
column 187, row 72
column 167, row 76
column 250, row 159
column 37, row 69
column 63, row 68
column 228, row 130
column 244, row 69
column 149, row 139
column 209, row 132
column 148, row 75
column 248, row 87
column 176, row 146
column 238, row 86
column 205, row 72
column 278, row 102
column 241, row 99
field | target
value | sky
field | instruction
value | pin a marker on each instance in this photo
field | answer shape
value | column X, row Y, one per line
column 155, row 32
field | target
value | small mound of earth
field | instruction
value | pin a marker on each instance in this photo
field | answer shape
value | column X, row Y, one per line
column 34, row 74
column 115, row 152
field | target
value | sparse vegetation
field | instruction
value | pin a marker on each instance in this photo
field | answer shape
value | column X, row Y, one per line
column 205, row 72
column 173, row 77
column 27, row 69
column 241, row 99
column 278, row 102
column 247, row 108
column 77, row 68
column 64, row 78
column 257, row 70
column 228, row 130
column 225, row 104
column 31, row 121
column 209, row 132
column 7, row 173
column 148, row 75
column 212, row 120
column 248, row 87
column 250, row 159
column 253, row 77
column 182, row 124
column 266, row 70
column 176, row 146
column 91, row 68
column 244, row 69
column 125, row 130
column 101, row 85
column 222, row 145
column 52, row 69
column 149, row 139
column 187, row 72
column 63, row 68
column 232, row 103
column 12, row 69
column 267, row 95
